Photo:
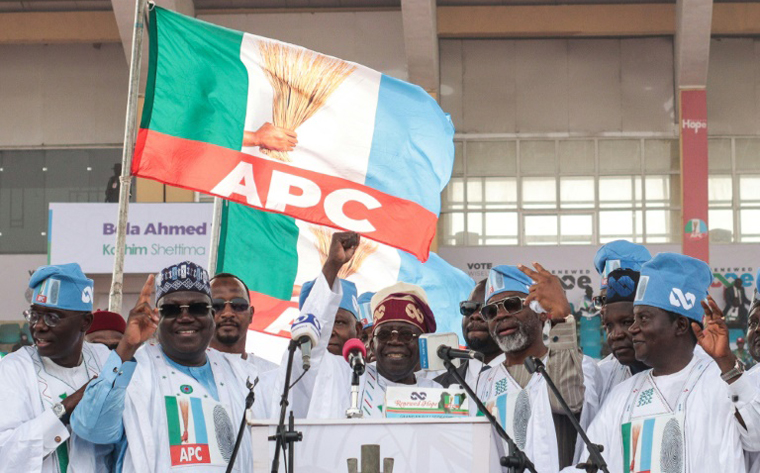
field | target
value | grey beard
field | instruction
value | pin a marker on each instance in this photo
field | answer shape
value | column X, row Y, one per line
column 515, row 342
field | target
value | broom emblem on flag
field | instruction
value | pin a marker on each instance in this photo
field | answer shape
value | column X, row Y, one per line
column 302, row 81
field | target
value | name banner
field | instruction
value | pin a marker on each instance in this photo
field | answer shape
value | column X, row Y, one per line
column 158, row 235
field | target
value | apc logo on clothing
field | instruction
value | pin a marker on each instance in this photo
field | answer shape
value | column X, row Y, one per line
column 87, row 295
column 695, row 125
column 678, row 299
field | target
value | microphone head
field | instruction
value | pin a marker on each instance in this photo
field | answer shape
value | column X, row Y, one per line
column 352, row 346
column 306, row 325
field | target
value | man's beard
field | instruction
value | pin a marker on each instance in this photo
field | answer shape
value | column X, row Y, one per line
column 477, row 344
column 519, row 340
column 227, row 340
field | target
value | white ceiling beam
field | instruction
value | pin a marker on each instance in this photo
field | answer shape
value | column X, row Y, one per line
column 692, row 42
column 421, row 43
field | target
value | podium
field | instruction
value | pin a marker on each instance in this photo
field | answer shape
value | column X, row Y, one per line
column 464, row 445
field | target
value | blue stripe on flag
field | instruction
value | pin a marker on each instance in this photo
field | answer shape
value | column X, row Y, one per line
column 501, row 404
column 647, row 439
column 199, row 421
column 444, row 285
column 412, row 152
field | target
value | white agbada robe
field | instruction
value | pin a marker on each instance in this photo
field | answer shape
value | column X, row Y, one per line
column 30, row 433
column 748, row 389
column 325, row 390
column 526, row 413
column 145, row 411
column 711, row 438
column 612, row 373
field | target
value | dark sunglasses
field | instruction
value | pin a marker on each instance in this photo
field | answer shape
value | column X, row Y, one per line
column 599, row 302
column 403, row 336
column 467, row 308
column 196, row 309
column 238, row 304
column 510, row 305
column 51, row 319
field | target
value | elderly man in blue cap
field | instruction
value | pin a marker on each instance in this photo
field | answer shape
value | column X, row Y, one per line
column 347, row 323
column 170, row 404
column 519, row 302
column 619, row 263
column 43, row 385
column 683, row 415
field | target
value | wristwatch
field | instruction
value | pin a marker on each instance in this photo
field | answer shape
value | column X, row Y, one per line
column 60, row 411
column 737, row 370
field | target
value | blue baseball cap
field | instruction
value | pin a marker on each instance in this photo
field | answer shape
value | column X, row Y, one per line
column 505, row 278
column 365, row 309
column 63, row 286
column 348, row 302
column 619, row 254
column 676, row 283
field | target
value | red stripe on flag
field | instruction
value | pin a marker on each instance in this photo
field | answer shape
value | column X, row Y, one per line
column 306, row 195
column 266, row 312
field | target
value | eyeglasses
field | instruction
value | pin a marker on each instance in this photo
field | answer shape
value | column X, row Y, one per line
column 403, row 336
column 510, row 305
column 196, row 309
column 51, row 318
column 599, row 302
column 238, row 304
column 467, row 308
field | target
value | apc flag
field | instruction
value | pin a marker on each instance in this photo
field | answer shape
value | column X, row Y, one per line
column 291, row 131
column 276, row 254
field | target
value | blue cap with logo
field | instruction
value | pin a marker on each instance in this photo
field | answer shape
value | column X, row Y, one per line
column 63, row 286
column 365, row 309
column 676, row 283
column 619, row 254
column 506, row 278
column 347, row 302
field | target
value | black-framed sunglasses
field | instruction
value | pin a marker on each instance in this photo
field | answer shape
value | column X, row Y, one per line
column 599, row 302
column 403, row 336
column 196, row 309
column 510, row 305
column 51, row 318
column 237, row 304
column 467, row 308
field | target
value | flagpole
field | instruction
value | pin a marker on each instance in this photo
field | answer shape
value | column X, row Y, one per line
column 117, row 283
column 216, row 223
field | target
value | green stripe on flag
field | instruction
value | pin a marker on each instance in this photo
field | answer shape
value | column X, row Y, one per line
column 197, row 85
column 260, row 248
column 172, row 420
column 626, row 446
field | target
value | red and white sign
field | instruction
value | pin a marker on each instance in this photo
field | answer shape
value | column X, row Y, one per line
column 693, row 132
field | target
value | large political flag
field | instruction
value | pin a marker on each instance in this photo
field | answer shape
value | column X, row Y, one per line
column 276, row 254
column 291, row 131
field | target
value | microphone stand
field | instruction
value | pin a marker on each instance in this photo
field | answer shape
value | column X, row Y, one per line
column 517, row 461
column 355, row 412
column 595, row 461
column 248, row 403
column 286, row 438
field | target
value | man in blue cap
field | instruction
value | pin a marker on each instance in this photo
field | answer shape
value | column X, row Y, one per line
column 519, row 301
column 618, row 263
column 680, row 415
column 347, row 323
column 173, row 403
column 42, row 385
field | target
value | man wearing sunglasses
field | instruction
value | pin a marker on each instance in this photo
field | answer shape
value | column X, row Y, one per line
column 618, row 263
column 477, row 337
column 42, row 385
column 174, row 404
column 519, row 302
column 233, row 313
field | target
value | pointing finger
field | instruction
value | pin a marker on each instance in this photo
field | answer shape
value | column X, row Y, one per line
column 147, row 290
column 540, row 268
column 527, row 271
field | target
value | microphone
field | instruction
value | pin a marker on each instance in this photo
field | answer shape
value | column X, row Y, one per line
column 354, row 352
column 306, row 330
column 428, row 347
column 448, row 353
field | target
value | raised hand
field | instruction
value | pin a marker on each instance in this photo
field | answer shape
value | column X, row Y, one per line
column 547, row 290
column 141, row 323
column 342, row 248
column 713, row 338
